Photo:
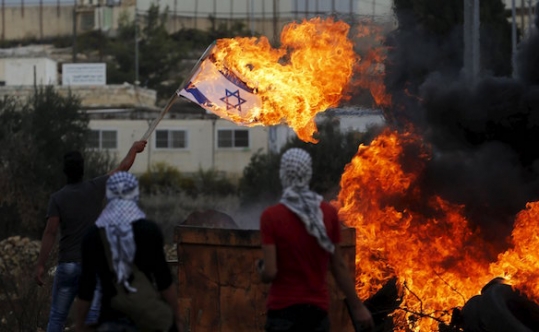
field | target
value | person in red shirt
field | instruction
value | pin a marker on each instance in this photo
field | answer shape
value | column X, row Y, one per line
column 300, row 241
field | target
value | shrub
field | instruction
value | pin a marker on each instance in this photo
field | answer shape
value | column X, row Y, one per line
column 213, row 183
column 24, row 306
column 260, row 181
column 163, row 178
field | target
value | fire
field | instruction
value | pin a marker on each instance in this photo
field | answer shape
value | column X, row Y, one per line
column 404, row 232
column 370, row 71
column 423, row 242
column 306, row 75
column 520, row 265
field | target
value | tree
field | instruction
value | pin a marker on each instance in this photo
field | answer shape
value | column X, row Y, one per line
column 260, row 181
column 34, row 136
column 160, row 55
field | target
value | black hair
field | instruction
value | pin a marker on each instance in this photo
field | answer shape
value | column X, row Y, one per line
column 73, row 166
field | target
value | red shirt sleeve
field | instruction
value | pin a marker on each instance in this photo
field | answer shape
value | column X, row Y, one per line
column 266, row 231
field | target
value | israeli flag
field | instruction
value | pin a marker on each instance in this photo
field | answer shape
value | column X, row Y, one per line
column 220, row 92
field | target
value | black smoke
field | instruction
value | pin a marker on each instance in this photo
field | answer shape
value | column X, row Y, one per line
column 484, row 136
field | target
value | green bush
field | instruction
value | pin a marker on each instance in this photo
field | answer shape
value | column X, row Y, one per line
column 213, row 183
column 162, row 178
column 260, row 181
column 34, row 135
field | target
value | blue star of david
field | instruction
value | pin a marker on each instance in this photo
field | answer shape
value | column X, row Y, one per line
column 232, row 97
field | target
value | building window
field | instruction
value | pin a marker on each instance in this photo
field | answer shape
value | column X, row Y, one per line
column 233, row 138
column 170, row 139
column 103, row 139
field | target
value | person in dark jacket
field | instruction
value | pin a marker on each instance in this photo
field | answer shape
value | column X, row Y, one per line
column 133, row 239
column 71, row 211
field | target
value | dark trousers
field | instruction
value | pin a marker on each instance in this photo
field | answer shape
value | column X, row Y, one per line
column 297, row 318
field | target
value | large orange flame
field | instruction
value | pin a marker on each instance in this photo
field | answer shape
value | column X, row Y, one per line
column 421, row 240
column 417, row 238
column 306, row 75
column 520, row 265
column 424, row 243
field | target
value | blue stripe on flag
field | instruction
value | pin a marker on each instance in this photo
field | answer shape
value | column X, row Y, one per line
column 197, row 94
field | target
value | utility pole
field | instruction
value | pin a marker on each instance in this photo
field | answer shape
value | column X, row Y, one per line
column 275, row 21
column 175, row 18
column 252, row 18
column 522, row 25
column 373, row 9
column 231, row 16
column 530, row 16
column 136, row 46
column 264, row 17
column 40, row 19
column 513, row 37
column 74, row 43
column 471, row 40
column 196, row 14
column 3, row 20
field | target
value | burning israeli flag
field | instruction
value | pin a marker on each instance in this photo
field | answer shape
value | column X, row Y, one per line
column 220, row 91
column 247, row 81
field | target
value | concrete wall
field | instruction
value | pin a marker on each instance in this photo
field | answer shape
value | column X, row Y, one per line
column 36, row 22
column 32, row 21
column 21, row 71
column 48, row 21
column 348, row 123
column 201, row 151
column 107, row 96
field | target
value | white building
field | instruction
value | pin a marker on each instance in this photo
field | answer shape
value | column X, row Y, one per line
column 188, row 138
column 188, row 142
column 28, row 71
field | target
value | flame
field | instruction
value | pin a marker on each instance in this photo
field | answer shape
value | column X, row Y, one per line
column 306, row 75
column 370, row 71
column 403, row 232
column 427, row 252
column 520, row 265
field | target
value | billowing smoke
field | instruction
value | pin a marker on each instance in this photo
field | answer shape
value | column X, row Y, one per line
column 484, row 136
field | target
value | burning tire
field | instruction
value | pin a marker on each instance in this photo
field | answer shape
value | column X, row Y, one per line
column 500, row 308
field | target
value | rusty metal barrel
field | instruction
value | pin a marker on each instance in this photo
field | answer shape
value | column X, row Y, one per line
column 219, row 288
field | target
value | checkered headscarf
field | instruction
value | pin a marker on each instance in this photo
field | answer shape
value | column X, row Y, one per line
column 295, row 173
column 116, row 219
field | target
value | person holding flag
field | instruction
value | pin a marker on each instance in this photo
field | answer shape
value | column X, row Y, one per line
column 72, row 210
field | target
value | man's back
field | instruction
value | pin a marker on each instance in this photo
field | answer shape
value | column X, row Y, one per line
column 149, row 258
column 77, row 205
column 302, row 263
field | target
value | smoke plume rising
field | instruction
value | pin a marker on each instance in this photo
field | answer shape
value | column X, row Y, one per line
column 483, row 136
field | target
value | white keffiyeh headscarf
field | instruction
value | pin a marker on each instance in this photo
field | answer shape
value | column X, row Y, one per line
column 121, row 211
column 295, row 173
